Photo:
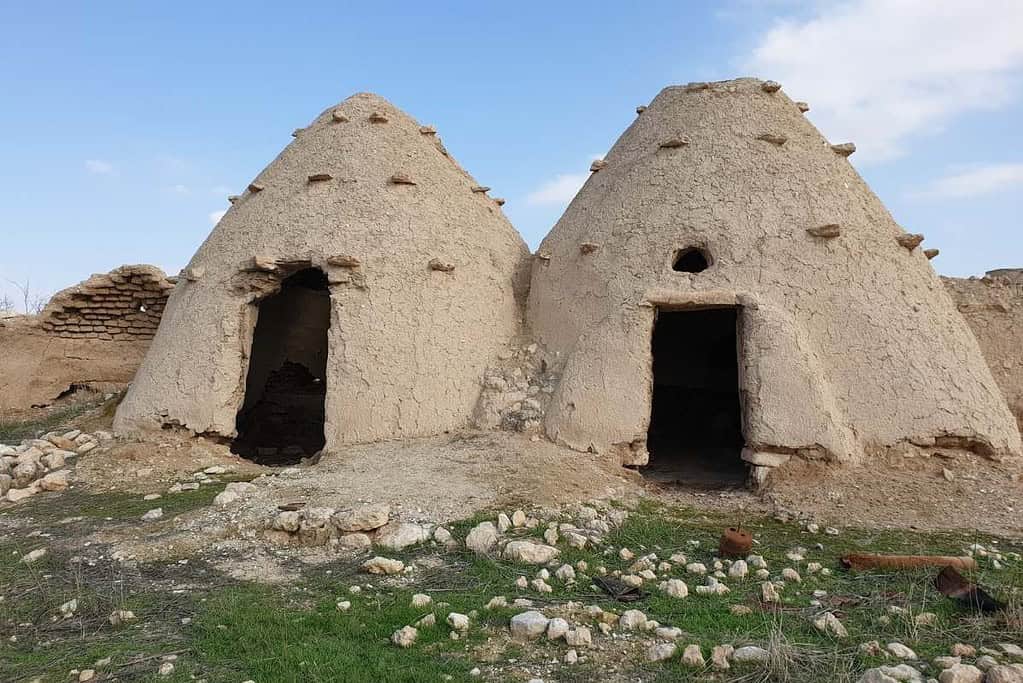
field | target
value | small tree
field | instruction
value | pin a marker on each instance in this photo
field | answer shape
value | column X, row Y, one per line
column 33, row 302
column 6, row 304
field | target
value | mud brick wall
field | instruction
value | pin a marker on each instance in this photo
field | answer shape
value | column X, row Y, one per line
column 123, row 305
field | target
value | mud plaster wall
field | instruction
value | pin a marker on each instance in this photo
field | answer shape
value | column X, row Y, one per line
column 92, row 334
column 408, row 342
column 993, row 307
column 848, row 344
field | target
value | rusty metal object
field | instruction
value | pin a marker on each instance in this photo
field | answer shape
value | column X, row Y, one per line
column 861, row 561
column 952, row 584
column 735, row 542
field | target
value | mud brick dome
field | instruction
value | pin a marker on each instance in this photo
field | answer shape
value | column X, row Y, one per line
column 383, row 278
column 723, row 200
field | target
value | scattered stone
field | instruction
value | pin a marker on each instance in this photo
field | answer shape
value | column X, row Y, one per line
column 420, row 600
column 963, row 650
column 33, row 556
column 790, row 574
column 738, row 570
column 429, row 621
column 457, row 621
column 1011, row 650
column 986, row 662
column 692, row 657
column 557, row 628
column 366, row 518
column 571, row 657
column 482, row 538
column 503, row 523
column 166, row 669
column 444, row 537
column 675, row 588
column 383, row 565
column 541, row 586
column 518, row 519
column 530, row 553
column 750, row 654
column 900, row 651
column 497, row 602
column 528, row 625
column 696, row 568
column 740, row 610
column 769, row 593
column 660, row 652
column 829, row 624
column 288, row 520
column 579, row 637
column 357, row 541
column 1012, row 673
column 119, row 617
column 720, row 655
column 668, row 632
column 961, row 673
column 632, row 620
column 565, row 573
column 86, row 675
column 343, row 605
column 401, row 535
column 405, row 636
column 945, row 662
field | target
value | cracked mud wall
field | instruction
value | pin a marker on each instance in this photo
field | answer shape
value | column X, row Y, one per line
column 993, row 307
column 93, row 334
column 427, row 280
column 851, row 342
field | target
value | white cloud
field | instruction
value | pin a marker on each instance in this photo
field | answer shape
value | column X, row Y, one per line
column 879, row 71
column 215, row 216
column 99, row 167
column 561, row 190
column 976, row 181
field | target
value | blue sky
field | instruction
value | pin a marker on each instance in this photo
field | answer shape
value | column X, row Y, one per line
column 127, row 124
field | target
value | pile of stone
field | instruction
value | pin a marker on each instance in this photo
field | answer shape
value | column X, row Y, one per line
column 516, row 392
column 40, row 464
column 357, row 529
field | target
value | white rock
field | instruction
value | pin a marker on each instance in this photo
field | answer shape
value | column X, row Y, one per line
column 457, row 621
column 1012, row 673
column 661, row 651
column 420, row 600
column 522, row 582
column 720, row 655
column 518, row 518
column 68, row 608
column 790, row 574
column 356, row 541
column 945, row 662
column 541, row 586
column 120, row 617
column 1011, row 649
column 571, row 657
column 343, row 605
column 557, row 628
column 398, row 536
column 757, row 562
column 901, row 651
column 383, row 565
column 565, row 573
column 530, row 553
column 167, row 668
column 405, row 636
column 961, row 673
column 675, row 588
column 33, row 556
column 528, row 625
column 829, row 624
column 668, row 632
column 289, row 520
column 632, row 620
column 696, row 568
column 579, row 637
column 497, row 602
column 429, row 621
column 503, row 523
column 738, row 570
column 692, row 657
column 769, row 593
column 482, row 538
column 444, row 537
column 750, row 654
column 153, row 514
column 365, row 518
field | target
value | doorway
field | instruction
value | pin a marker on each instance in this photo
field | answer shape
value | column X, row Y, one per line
column 282, row 416
column 695, row 434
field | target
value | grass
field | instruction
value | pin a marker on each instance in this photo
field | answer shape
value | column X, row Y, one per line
column 242, row 631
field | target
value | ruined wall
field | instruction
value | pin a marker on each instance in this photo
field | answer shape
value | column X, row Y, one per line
column 124, row 305
column 93, row 335
column 993, row 307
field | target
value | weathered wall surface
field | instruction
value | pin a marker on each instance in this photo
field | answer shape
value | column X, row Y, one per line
column 94, row 334
column 849, row 342
column 426, row 276
column 993, row 307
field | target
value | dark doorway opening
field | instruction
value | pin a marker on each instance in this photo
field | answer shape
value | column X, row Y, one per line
column 281, row 419
column 695, row 434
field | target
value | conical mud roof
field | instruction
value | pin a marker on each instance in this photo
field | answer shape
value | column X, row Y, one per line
column 426, row 281
column 849, row 341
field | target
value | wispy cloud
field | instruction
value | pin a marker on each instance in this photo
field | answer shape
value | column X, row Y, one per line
column 179, row 189
column 560, row 190
column 99, row 167
column 975, row 181
column 878, row 72
column 215, row 216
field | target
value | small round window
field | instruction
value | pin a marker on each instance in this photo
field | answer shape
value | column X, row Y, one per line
column 691, row 260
